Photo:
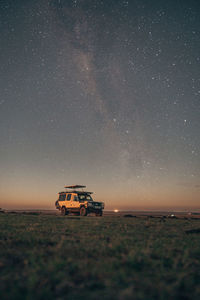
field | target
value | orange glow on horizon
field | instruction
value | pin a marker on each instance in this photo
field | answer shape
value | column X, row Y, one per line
column 132, row 198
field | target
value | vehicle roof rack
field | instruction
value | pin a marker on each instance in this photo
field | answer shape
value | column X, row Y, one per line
column 78, row 192
column 86, row 193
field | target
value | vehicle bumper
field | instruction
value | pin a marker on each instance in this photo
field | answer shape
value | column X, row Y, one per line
column 94, row 209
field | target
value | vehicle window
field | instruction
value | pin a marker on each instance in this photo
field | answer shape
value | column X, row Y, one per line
column 69, row 196
column 84, row 197
column 62, row 197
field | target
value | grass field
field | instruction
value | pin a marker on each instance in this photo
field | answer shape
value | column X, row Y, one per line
column 54, row 257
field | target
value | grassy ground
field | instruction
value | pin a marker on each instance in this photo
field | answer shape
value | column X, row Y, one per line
column 53, row 257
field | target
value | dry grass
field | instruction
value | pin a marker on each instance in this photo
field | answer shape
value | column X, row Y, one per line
column 53, row 257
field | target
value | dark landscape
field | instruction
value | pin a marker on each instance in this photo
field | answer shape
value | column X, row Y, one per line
column 118, row 256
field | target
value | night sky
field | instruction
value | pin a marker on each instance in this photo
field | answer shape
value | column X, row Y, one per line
column 100, row 93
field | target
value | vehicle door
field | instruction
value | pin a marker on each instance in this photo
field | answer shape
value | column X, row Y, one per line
column 68, row 201
column 62, row 198
column 75, row 203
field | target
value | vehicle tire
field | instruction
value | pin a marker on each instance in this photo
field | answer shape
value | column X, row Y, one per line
column 99, row 214
column 83, row 211
column 63, row 211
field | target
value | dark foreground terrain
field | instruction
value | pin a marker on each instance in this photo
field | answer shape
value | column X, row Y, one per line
column 113, row 257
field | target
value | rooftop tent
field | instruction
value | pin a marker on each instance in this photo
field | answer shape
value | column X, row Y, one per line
column 74, row 189
column 75, row 186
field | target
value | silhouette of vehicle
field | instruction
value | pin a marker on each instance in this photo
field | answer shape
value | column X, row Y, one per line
column 78, row 202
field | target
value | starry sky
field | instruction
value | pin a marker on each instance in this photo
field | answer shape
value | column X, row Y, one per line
column 101, row 93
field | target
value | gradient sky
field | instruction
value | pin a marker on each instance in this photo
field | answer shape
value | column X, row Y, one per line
column 101, row 93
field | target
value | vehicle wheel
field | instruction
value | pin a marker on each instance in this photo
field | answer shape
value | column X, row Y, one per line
column 83, row 211
column 99, row 214
column 63, row 211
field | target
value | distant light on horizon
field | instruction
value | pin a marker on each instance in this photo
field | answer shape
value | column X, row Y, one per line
column 116, row 210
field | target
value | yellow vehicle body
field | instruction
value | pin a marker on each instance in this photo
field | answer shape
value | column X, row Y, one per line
column 78, row 202
column 73, row 204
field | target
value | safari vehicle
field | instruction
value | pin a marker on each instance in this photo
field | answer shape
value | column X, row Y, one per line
column 78, row 201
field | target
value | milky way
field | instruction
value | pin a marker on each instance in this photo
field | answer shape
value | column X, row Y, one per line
column 102, row 93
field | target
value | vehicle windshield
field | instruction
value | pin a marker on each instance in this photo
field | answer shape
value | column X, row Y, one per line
column 84, row 197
